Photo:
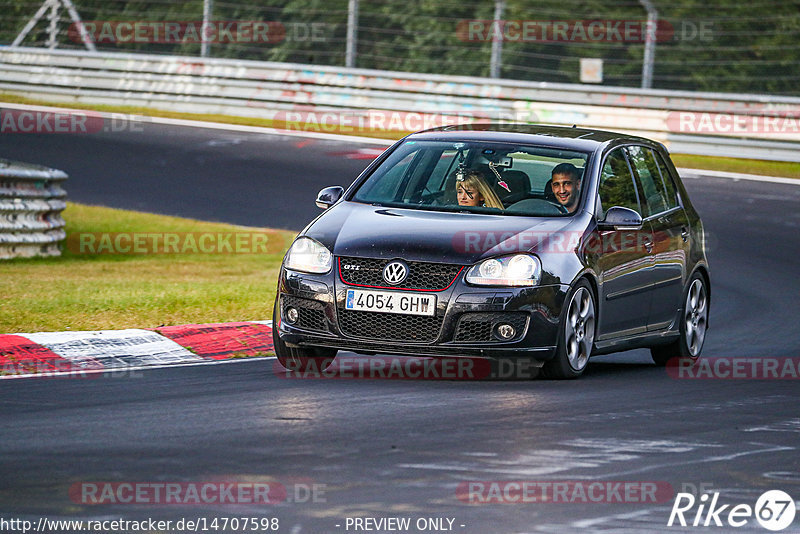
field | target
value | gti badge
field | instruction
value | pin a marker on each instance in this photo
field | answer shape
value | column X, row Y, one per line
column 395, row 272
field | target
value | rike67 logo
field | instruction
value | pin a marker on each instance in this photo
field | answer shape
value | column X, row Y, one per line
column 774, row 510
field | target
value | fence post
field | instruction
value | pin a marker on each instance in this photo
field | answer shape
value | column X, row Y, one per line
column 496, row 61
column 52, row 42
column 649, row 44
column 52, row 27
column 208, row 6
column 352, row 33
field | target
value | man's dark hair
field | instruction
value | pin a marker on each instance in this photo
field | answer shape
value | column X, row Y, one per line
column 567, row 168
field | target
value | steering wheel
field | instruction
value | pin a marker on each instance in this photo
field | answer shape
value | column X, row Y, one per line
column 433, row 198
column 560, row 206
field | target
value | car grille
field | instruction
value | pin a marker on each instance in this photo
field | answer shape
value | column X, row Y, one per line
column 421, row 275
column 389, row 327
column 473, row 327
column 311, row 313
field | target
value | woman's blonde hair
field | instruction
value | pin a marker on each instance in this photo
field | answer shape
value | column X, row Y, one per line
column 474, row 179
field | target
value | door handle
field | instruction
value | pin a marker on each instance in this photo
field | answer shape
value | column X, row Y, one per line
column 648, row 245
column 685, row 234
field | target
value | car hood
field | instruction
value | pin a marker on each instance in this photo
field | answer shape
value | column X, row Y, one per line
column 354, row 229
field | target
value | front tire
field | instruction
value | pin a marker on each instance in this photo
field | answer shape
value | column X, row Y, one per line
column 298, row 359
column 693, row 325
column 575, row 334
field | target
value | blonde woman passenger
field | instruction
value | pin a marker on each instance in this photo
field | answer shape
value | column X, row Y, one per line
column 472, row 190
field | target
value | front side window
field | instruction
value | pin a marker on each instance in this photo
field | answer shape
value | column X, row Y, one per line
column 616, row 184
column 481, row 177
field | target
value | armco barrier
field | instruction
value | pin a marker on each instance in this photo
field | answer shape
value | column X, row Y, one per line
column 31, row 202
column 270, row 90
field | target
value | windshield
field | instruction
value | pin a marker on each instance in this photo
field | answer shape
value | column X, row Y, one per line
column 478, row 176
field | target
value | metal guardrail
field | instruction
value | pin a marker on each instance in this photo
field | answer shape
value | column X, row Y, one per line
column 693, row 122
column 31, row 202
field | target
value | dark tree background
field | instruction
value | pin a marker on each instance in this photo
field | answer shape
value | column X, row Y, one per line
column 722, row 46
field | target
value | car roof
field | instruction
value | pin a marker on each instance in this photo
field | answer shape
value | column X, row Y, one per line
column 537, row 134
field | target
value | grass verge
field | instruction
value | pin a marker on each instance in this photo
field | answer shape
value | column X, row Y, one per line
column 783, row 169
column 117, row 289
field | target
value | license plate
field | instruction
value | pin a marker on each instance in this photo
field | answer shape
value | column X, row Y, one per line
column 391, row 302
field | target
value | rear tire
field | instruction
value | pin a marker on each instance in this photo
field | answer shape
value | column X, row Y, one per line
column 693, row 325
column 299, row 359
column 576, row 333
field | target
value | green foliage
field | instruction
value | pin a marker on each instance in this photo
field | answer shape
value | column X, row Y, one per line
column 725, row 46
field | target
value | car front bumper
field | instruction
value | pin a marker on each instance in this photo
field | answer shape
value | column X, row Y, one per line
column 465, row 323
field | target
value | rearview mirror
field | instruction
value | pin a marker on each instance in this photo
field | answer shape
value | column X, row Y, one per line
column 619, row 218
column 505, row 162
column 329, row 196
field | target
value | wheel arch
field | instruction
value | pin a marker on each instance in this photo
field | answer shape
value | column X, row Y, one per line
column 591, row 278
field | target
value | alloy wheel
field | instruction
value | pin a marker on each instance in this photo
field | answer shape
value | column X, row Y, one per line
column 695, row 317
column 579, row 330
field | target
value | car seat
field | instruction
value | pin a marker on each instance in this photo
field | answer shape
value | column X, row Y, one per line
column 548, row 191
column 518, row 182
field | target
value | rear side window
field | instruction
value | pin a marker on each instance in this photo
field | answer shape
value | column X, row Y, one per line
column 653, row 193
column 669, row 185
column 616, row 184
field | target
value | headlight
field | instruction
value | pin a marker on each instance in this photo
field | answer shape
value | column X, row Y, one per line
column 308, row 256
column 519, row 270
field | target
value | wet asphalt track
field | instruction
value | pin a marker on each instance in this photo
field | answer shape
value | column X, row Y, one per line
column 385, row 448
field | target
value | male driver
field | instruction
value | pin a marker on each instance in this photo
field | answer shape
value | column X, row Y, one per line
column 566, row 184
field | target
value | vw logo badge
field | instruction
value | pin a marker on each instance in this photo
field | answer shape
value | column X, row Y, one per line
column 395, row 272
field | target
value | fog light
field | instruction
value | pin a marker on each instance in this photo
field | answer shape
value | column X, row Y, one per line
column 291, row 315
column 505, row 331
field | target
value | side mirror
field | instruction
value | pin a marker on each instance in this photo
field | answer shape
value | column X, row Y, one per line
column 619, row 218
column 329, row 196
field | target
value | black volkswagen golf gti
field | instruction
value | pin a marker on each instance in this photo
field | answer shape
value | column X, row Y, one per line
column 500, row 241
